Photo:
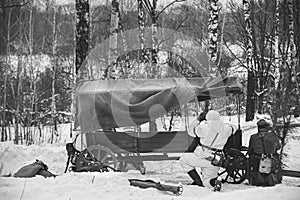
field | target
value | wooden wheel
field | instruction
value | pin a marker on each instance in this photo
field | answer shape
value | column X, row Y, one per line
column 104, row 155
column 235, row 166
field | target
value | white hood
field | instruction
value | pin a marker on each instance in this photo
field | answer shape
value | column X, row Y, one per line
column 214, row 121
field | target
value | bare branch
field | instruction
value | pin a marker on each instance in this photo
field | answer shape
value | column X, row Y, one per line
column 176, row 29
column 240, row 61
column 175, row 1
column 15, row 5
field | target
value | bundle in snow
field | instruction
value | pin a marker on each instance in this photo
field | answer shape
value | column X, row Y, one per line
column 36, row 168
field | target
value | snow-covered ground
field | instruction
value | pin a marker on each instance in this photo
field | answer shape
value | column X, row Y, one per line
column 115, row 185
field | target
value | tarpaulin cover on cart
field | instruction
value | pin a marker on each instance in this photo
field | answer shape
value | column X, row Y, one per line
column 106, row 104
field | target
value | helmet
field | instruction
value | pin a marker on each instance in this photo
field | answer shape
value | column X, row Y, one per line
column 262, row 124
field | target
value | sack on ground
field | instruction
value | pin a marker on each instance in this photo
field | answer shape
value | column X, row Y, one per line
column 28, row 171
column 265, row 165
column 31, row 170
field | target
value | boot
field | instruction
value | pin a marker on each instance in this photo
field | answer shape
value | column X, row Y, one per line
column 212, row 181
column 196, row 178
column 216, row 183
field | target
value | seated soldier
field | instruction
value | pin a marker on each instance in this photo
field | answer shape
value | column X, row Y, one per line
column 264, row 145
column 213, row 135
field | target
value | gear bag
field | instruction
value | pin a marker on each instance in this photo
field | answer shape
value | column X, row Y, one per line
column 265, row 164
column 264, row 169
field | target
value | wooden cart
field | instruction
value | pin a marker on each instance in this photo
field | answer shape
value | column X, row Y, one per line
column 104, row 105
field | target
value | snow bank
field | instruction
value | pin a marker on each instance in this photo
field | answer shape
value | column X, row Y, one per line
column 90, row 186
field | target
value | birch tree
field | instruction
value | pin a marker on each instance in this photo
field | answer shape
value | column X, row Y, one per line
column 213, row 24
column 113, row 40
column 141, row 21
column 54, row 63
column 250, row 105
column 276, row 46
column 125, row 47
column 154, row 16
column 3, row 131
column 18, row 99
column 292, row 47
column 29, row 109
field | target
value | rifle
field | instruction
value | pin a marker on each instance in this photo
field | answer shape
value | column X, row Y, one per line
column 177, row 190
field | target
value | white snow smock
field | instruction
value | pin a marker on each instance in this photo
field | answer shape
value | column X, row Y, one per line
column 214, row 134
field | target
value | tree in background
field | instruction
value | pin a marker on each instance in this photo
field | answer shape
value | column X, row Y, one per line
column 141, row 24
column 113, row 72
column 286, row 92
column 28, row 38
column 213, row 25
column 250, row 106
column 28, row 41
column 82, row 33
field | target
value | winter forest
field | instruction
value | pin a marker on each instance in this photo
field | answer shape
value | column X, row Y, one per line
column 48, row 47
column 44, row 43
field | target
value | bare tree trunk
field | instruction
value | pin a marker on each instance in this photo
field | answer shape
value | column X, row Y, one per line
column 81, row 37
column 277, row 59
column 113, row 40
column 125, row 49
column 30, row 45
column 141, row 20
column 250, row 105
column 3, row 131
column 154, row 72
column 297, row 38
column 18, row 135
column 296, row 6
column 154, row 17
column 18, row 92
column 53, row 99
column 292, row 48
column 82, row 32
column 277, row 65
column 213, row 25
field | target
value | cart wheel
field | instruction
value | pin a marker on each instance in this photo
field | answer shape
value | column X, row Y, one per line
column 104, row 155
column 235, row 166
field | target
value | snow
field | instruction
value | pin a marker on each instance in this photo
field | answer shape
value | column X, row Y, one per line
column 115, row 185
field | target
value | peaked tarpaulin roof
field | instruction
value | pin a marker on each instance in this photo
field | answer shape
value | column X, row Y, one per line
column 124, row 102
